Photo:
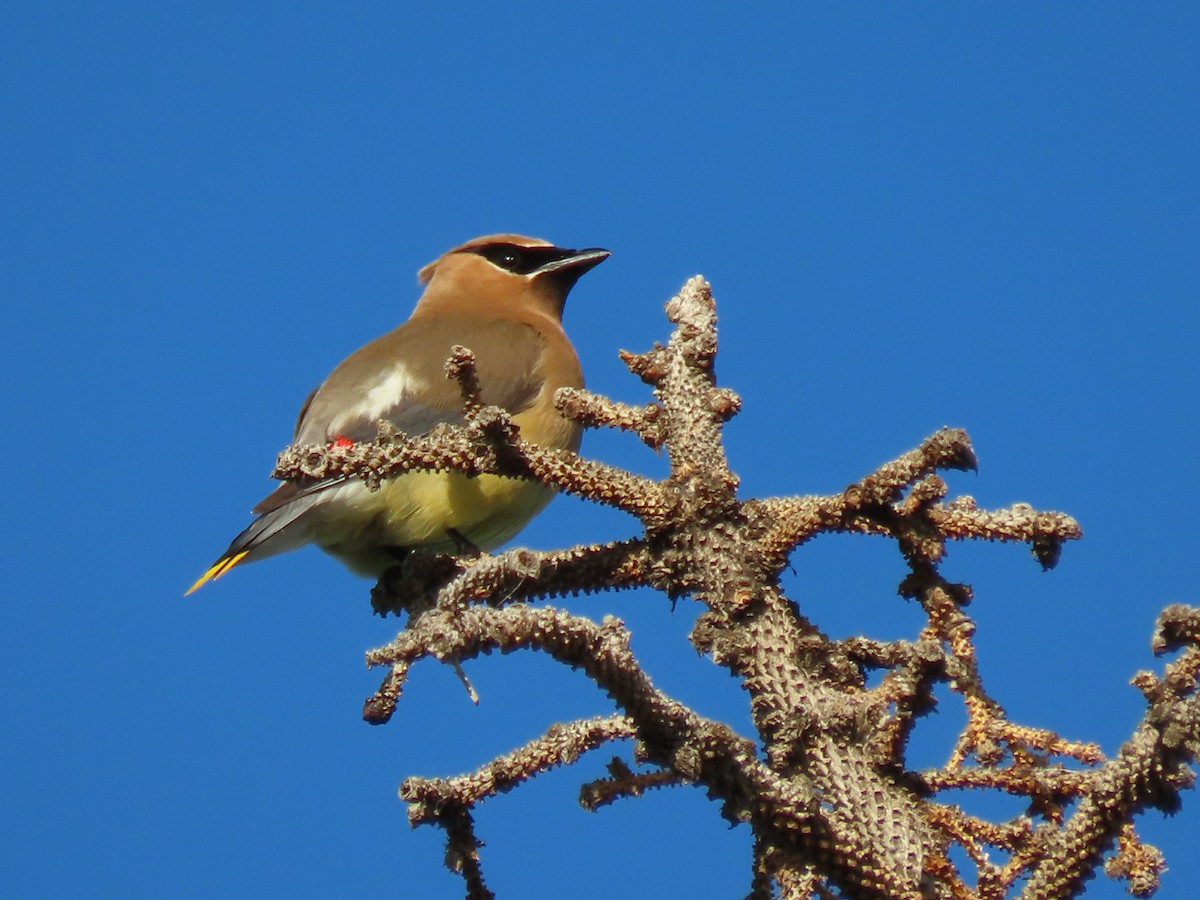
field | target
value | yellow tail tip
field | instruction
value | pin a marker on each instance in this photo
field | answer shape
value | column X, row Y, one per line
column 216, row 570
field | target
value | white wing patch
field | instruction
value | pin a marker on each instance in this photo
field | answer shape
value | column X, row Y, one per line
column 385, row 396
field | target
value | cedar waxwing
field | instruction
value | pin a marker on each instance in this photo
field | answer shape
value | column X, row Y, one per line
column 502, row 297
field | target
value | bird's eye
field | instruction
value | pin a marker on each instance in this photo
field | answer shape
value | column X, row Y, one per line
column 515, row 259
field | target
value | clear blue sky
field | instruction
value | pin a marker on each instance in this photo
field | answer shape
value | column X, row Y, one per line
column 912, row 214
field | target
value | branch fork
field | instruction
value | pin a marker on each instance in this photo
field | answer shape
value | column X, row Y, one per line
column 824, row 781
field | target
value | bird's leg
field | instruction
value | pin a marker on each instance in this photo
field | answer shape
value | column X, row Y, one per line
column 462, row 543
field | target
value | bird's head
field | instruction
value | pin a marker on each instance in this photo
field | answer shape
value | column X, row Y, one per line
column 508, row 270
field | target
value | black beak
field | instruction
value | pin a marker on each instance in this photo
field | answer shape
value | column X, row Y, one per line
column 575, row 261
column 568, row 269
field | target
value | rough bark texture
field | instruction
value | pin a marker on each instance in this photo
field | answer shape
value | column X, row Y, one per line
column 824, row 782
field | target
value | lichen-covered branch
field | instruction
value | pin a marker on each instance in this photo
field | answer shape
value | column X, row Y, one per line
column 702, row 751
column 824, row 782
column 561, row 745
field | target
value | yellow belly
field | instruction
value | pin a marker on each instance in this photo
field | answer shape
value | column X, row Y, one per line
column 418, row 510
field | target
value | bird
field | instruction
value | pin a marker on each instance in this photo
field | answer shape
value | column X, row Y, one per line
column 501, row 296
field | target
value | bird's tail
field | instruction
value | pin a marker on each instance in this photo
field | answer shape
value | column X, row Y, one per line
column 275, row 531
column 227, row 561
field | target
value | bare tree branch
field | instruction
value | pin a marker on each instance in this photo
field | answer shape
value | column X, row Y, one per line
column 824, row 783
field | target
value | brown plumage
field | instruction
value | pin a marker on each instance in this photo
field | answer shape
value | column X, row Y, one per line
column 502, row 297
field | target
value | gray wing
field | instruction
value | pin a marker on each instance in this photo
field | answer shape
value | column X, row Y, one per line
column 400, row 378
